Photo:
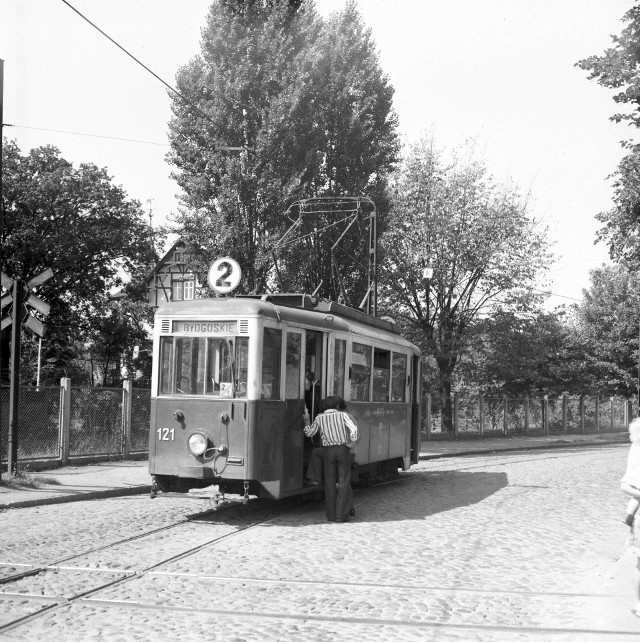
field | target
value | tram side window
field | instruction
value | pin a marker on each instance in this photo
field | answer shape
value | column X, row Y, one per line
column 242, row 366
column 292, row 374
column 271, row 350
column 381, row 374
column 166, row 357
column 360, row 372
column 340, row 353
column 398, row 377
column 190, row 354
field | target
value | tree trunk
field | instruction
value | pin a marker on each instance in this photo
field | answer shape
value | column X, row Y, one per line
column 447, row 405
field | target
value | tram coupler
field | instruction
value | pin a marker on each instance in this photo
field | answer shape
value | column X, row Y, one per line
column 154, row 487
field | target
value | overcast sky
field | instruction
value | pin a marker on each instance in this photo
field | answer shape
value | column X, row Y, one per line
column 498, row 71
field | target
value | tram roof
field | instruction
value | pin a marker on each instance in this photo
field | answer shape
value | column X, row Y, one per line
column 302, row 308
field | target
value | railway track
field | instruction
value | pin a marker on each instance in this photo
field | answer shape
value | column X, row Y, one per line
column 266, row 512
column 271, row 601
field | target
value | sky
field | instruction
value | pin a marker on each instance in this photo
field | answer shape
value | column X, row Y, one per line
column 499, row 72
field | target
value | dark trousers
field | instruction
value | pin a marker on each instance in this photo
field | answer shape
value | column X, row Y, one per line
column 337, row 482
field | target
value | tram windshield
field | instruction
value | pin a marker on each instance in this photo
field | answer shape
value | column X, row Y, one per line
column 212, row 366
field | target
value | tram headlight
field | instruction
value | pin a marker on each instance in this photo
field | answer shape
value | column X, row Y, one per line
column 198, row 443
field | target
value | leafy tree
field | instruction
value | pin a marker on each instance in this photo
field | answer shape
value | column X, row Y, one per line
column 617, row 69
column 484, row 250
column 536, row 354
column 76, row 222
column 609, row 318
column 311, row 107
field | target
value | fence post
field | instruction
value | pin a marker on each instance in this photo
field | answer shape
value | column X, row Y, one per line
column 628, row 412
column 564, row 414
column 456, row 417
column 127, row 388
column 64, row 419
column 526, row 413
column 481, row 412
column 597, row 413
column 582, row 414
column 545, row 414
column 428, row 414
column 505, row 414
column 611, row 413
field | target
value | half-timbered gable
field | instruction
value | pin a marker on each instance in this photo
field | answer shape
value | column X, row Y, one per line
column 170, row 280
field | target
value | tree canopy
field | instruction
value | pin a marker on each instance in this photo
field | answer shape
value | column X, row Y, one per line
column 75, row 221
column 312, row 110
column 617, row 69
column 475, row 234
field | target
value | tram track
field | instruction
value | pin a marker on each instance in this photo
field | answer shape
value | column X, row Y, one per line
column 128, row 575
column 416, row 623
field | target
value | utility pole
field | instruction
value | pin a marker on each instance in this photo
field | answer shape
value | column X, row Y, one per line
column 16, row 320
column 1, row 202
column 149, row 201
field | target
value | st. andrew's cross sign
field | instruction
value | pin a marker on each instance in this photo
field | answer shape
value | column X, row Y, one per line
column 21, row 297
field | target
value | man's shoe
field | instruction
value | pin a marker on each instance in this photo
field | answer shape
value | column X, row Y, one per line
column 352, row 512
column 310, row 482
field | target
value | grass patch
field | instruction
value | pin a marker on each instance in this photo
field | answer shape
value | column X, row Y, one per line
column 25, row 479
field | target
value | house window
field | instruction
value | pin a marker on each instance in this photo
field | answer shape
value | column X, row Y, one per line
column 178, row 256
column 178, row 291
column 189, row 287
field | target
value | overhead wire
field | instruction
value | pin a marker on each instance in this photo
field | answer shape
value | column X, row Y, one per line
column 128, row 53
column 62, row 131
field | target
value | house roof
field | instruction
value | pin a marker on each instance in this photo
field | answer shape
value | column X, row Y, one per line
column 164, row 259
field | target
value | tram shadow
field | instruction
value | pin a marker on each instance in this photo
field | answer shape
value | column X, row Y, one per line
column 416, row 495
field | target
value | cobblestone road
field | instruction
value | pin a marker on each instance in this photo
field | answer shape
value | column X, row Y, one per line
column 501, row 547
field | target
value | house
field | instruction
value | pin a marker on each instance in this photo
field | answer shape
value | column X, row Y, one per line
column 170, row 280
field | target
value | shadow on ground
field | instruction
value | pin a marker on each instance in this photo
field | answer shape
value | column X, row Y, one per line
column 417, row 495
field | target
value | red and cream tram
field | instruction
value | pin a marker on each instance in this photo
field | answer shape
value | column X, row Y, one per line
column 228, row 391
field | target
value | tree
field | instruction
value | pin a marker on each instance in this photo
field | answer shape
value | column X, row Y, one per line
column 610, row 324
column 617, row 69
column 475, row 234
column 76, row 222
column 536, row 354
column 310, row 105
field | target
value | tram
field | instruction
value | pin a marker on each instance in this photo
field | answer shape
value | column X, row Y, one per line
column 228, row 392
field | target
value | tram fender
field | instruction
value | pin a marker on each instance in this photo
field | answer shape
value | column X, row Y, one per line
column 272, row 488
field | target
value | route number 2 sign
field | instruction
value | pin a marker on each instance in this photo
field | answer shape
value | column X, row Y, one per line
column 224, row 275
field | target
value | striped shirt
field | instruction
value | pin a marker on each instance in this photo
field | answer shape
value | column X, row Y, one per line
column 336, row 428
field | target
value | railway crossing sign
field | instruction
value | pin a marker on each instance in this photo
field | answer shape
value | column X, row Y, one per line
column 23, row 302
column 21, row 295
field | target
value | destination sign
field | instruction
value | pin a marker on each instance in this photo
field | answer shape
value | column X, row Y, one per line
column 206, row 327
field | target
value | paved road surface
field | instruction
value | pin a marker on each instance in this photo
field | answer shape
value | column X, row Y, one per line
column 512, row 546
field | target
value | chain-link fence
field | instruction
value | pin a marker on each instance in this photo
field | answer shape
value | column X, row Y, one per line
column 65, row 423
column 96, row 422
column 140, row 417
column 38, row 422
column 458, row 416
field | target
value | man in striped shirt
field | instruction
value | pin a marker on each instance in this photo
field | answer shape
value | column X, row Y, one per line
column 337, row 430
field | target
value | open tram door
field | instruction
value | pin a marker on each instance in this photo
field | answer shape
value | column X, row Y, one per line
column 416, row 410
column 314, row 371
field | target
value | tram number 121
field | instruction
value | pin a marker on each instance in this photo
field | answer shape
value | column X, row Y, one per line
column 166, row 434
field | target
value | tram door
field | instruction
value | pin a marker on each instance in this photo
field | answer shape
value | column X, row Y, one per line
column 314, row 374
column 296, row 447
